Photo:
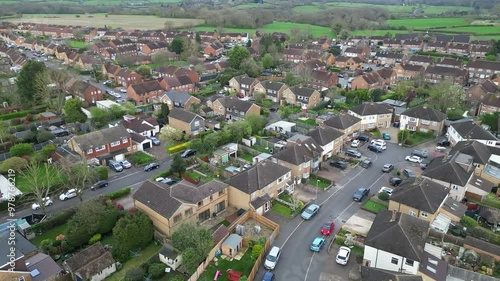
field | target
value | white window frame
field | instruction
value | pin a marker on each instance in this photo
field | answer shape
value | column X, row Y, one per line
column 115, row 143
column 394, row 260
column 412, row 213
column 90, row 151
column 424, row 214
column 100, row 148
column 125, row 140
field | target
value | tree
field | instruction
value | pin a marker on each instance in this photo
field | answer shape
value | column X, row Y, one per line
column 162, row 116
column 78, row 34
column 13, row 163
column 26, row 84
column 178, row 165
column 267, row 61
column 157, row 270
column 144, row 70
column 58, row 95
column 495, row 48
column 195, row 107
column 491, row 58
column 135, row 274
column 194, row 243
column 40, row 178
column 45, row 153
column 491, row 120
column 78, row 175
column 210, row 143
column 73, row 111
column 250, row 67
column 170, row 134
column 100, row 117
column 21, row 149
column 43, row 93
column 237, row 55
column 128, row 107
column 446, row 95
column 239, row 130
column 403, row 136
column 161, row 57
column 177, row 45
column 117, row 111
column 132, row 232
column 198, row 38
column 291, row 79
column 257, row 123
column 44, row 136
column 249, row 43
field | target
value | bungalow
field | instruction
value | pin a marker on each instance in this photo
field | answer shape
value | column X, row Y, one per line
column 435, row 74
column 144, row 92
column 423, row 119
column 484, row 98
column 180, row 99
column 234, row 109
column 243, row 85
column 408, row 71
column 330, row 140
column 271, row 89
column 306, row 98
column 421, row 60
column 302, row 159
column 187, row 122
column 372, row 115
column 256, row 187
column 93, row 263
column 468, row 130
column 349, row 125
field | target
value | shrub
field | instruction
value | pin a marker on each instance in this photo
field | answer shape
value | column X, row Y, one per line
column 94, row 239
column 156, row 270
column 29, row 117
column 384, row 196
column 119, row 193
column 45, row 153
column 264, row 112
column 164, row 174
column 257, row 249
column 44, row 136
column 469, row 222
column 178, row 148
column 15, row 163
column 57, row 219
column 135, row 274
column 102, row 173
column 21, row 149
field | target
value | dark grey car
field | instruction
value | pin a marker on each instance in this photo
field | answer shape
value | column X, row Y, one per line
column 419, row 153
column 353, row 153
column 361, row 193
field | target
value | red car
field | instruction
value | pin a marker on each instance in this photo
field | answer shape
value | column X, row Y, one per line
column 327, row 228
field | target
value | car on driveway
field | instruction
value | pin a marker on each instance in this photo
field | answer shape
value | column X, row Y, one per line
column 343, row 255
column 364, row 138
column 408, row 173
column 394, row 181
column 317, row 244
column 375, row 148
column 327, row 228
column 151, row 166
column 360, row 194
column 188, row 153
column 268, row 276
column 413, row 159
column 155, row 141
column 355, row 143
column 68, row 194
column 443, row 143
column 387, row 168
column 339, row 164
column 386, row 136
column 310, row 211
column 170, row 181
column 107, row 82
column 99, row 184
column 419, row 153
column 353, row 153
column 387, row 190
column 125, row 164
column 272, row 258
column 46, row 202
column 378, row 142
column 366, row 163
column 123, row 90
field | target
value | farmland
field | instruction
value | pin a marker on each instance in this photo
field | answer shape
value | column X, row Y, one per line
column 101, row 20
column 253, row 5
column 428, row 22
column 475, row 29
column 391, row 8
column 90, row 2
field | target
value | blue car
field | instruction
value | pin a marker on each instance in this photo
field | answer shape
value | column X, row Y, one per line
column 317, row 244
column 268, row 276
column 310, row 211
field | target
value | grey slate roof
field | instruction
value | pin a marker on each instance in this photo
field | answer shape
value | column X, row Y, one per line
column 234, row 103
column 183, row 115
column 479, row 151
column 140, row 125
column 405, row 236
column 375, row 274
column 157, row 197
column 342, row 121
column 244, row 79
column 260, row 201
column 429, row 114
column 325, row 135
column 472, row 131
column 23, row 247
column 101, row 137
column 45, row 265
column 433, row 267
column 491, row 215
column 233, row 241
column 300, row 153
column 448, row 171
column 302, row 91
column 425, row 196
column 370, row 109
column 187, row 192
column 180, row 97
column 454, row 207
column 257, row 177
column 272, row 85
column 169, row 252
column 90, row 261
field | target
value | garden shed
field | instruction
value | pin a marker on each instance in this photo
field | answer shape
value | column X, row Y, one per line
column 231, row 246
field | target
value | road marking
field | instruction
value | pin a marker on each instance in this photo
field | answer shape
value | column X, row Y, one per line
column 286, row 240
column 341, row 187
column 310, row 262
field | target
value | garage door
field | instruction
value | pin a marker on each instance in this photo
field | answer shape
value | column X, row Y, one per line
column 146, row 145
column 119, row 157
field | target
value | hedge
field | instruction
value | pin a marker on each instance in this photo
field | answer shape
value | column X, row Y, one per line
column 102, row 172
column 178, row 148
column 56, row 220
column 119, row 193
column 164, row 174
column 18, row 114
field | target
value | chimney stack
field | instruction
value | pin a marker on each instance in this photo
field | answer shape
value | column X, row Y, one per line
column 393, row 217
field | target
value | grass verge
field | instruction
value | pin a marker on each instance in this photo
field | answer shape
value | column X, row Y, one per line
column 141, row 158
column 373, row 206
column 282, row 209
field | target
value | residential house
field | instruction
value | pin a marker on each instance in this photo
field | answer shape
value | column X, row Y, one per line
column 468, row 130
column 105, row 144
column 482, row 70
column 306, row 98
column 144, row 92
column 422, row 119
column 243, row 85
column 395, row 242
column 169, row 256
column 178, row 83
column 479, row 52
column 392, row 44
column 302, row 159
column 310, row 65
column 110, row 70
column 459, row 49
column 170, row 206
column 151, row 48
column 233, row 37
column 322, row 80
column 449, row 62
column 43, row 268
column 349, row 125
column 214, row 49
column 413, row 46
column 372, row 115
column 93, row 263
column 294, row 55
column 272, row 90
column 85, row 91
column 408, row 71
column 388, row 74
column 187, row 122
column 86, row 62
column 256, row 187
column 142, row 125
column 352, row 52
column 424, row 61
column 484, row 98
column 234, row 109
column 370, row 80
column 330, row 140
column 388, row 58
column 437, row 46
column 127, row 77
column 375, row 274
column 349, row 63
column 180, row 99
column 435, row 74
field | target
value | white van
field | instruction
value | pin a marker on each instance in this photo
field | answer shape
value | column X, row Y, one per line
column 272, row 258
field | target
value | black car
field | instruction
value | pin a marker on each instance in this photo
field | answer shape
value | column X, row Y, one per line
column 188, row 153
column 353, row 153
column 395, row 181
column 151, row 166
column 443, row 143
column 364, row 138
column 365, row 163
column 375, row 148
column 339, row 164
column 387, row 168
column 99, row 184
column 360, row 194
column 419, row 153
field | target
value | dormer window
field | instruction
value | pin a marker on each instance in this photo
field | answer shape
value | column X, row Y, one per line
column 100, row 148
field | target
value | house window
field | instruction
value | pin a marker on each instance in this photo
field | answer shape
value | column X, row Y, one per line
column 411, row 128
column 220, row 207
column 100, row 148
column 188, row 212
column 426, row 122
column 280, row 179
column 89, row 151
column 412, row 119
column 424, row 214
column 205, row 215
column 412, row 213
column 177, row 218
column 124, row 140
column 306, row 164
column 200, row 203
column 409, row 262
column 394, row 261
column 221, row 192
column 115, row 143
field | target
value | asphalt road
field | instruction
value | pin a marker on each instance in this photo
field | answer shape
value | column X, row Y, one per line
column 297, row 262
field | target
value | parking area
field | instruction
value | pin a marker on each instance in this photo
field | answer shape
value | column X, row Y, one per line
column 336, row 272
column 158, row 150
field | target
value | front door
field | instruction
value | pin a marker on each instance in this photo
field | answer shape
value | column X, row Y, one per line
column 267, row 206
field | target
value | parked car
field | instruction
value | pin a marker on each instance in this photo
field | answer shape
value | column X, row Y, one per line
column 170, row 181
column 395, row 181
column 343, row 255
column 46, row 202
column 361, row 193
column 125, row 164
column 419, row 153
column 188, row 153
column 268, row 276
column 310, row 211
column 327, row 228
column 151, row 166
column 396, row 124
column 444, row 142
column 379, row 142
column 387, row 190
column 339, row 164
column 340, row 75
column 408, row 173
column 386, row 136
column 107, row 82
column 272, row 258
column 155, row 141
column 99, row 184
column 364, row 138
column 353, row 153
column 317, row 244
column 375, row 148
column 387, row 168
column 123, row 90
column 355, row 143
column 68, row 194
column 413, row 159
column 366, row 163
column 115, row 166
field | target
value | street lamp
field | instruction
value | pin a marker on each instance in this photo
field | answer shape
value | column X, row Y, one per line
column 317, row 187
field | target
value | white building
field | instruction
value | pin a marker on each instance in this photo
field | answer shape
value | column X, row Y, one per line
column 170, row 257
column 468, row 130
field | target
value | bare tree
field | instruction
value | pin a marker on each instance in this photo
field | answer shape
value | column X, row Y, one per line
column 40, row 179
column 78, row 174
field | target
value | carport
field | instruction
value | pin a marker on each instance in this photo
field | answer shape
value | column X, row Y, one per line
column 360, row 222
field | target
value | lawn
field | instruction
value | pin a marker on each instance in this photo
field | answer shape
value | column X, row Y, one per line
column 24, row 186
column 77, row 44
column 247, row 156
column 51, row 234
column 261, row 148
column 141, row 158
column 101, row 20
column 316, row 7
column 369, row 33
column 428, row 22
column 491, row 200
column 475, row 29
column 109, row 240
column 136, row 262
column 282, row 209
column 417, row 138
column 321, row 183
column 244, row 265
column 373, row 206
column 311, row 122
column 267, row 103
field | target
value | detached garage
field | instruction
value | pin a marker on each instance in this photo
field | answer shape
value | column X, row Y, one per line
column 141, row 142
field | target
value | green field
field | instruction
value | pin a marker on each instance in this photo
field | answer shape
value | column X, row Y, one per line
column 77, row 44
column 101, row 20
column 284, row 27
column 428, row 23
column 253, row 5
column 369, row 33
column 316, row 7
column 475, row 29
column 91, row 2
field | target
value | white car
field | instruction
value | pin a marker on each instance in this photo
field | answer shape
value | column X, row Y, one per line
column 343, row 255
column 387, row 190
column 160, row 179
column 413, row 159
column 123, row 90
column 107, row 82
column 68, row 194
column 46, row 202
column 379, row 142
column 117, row 95
column 355, row 143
